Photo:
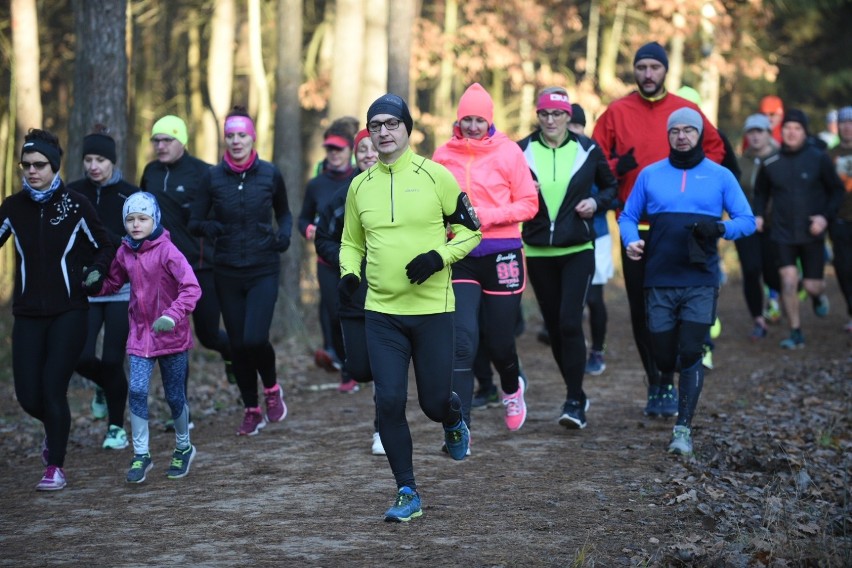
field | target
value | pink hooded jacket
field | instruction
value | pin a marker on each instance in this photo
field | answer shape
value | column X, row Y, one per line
column 162, row 283
column 492, row 171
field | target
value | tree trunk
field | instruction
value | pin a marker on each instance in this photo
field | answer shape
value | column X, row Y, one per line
column 220, row 78
column 594, row 31
column 674, row 77
column 400, row 29
column 100, row 78
column 609, row 49
column 288, row 156
column 26, row 77
column 374, row 82
column 444, row 91
column 349, row 23
column 263, row 120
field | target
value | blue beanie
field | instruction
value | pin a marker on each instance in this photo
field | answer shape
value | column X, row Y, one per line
column 652, row 50
column 393, row 105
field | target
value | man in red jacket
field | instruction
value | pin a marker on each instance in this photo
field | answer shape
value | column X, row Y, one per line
column 632, row 133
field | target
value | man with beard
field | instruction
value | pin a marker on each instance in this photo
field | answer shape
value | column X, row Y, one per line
column 632, row 133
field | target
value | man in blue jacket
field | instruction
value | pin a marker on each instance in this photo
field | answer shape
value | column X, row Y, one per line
column 683, row 196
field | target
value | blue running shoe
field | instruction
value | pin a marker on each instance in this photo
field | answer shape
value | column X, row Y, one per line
column 652, row 409
column 667, row 401
column 140, row 465
column 457, row 439
column 821, row 305
column 574, row 414
column 595, row 365
column 406, row 506
column 795, row 341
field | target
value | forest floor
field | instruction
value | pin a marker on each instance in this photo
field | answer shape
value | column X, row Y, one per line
column 769, row 485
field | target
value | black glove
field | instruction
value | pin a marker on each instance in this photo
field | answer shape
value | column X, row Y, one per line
column 346, row 287
column 93, row 279
column 213, row 229
column 708, row 229
column 626, row 162
column 282, row 244
column 423, row 266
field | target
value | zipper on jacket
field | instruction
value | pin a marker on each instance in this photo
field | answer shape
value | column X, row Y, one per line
column 683, row 182
column 242, row 214
column 552, row 230
column 390, row 171
column 166, row 179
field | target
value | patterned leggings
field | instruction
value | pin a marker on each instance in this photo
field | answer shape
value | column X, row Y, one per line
column 173, row 369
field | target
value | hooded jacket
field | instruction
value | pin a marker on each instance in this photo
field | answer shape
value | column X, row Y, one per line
column 491, row 171
column 566, row 228
column 54, row 241
column 162, row 283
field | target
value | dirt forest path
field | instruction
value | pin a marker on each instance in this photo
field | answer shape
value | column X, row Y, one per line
column 769, row 484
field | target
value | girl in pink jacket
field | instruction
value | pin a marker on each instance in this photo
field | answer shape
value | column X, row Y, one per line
column 488, row 283
column 163, row 293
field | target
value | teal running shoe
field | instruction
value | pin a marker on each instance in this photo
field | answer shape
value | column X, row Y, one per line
column 406, row 506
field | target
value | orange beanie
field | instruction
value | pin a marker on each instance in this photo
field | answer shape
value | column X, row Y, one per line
column 476, row 102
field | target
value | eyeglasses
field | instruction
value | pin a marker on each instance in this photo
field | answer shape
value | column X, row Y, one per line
column 555, row 115
column 37, row 165
column 390, row 124
column 157, row 141
column 686, row 131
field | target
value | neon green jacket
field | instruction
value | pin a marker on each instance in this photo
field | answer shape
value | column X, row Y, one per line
column 394, row 213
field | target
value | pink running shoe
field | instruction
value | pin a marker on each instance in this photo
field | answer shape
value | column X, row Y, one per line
column 516, row 408
column 276, row 409
column 349, row 386
column 252, row 422
column 53, row 479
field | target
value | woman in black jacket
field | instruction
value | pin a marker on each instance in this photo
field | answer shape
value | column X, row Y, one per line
column 57, row 232
column 559, row 240
column 106, row 190
column 236, row 205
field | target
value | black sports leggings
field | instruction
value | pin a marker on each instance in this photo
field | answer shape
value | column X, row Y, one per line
column 560, row 284
column 248, row 304
column 44, row 354
column 498, row 315
column 634, row 284
column 205, row 317
column 108, row 371
column 356, row 365
column 393, row 342
column 597, row 316
column 328, row 276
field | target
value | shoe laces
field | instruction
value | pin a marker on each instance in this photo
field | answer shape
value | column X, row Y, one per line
column 177, row 463
column 138, row 462
column 512, row 402
column 50, row 472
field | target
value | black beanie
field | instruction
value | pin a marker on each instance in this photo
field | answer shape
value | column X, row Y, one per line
column 100, row 145
column 393, row 105
column 796, row 115
column 652, row 50
column 578, row 115
column 50, row 151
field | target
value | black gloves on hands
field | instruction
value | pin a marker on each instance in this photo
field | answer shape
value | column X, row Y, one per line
column 701, row 234
column 93, row 279
column 423, row 266
column 708, row 229
column 626, row 162
column 282, row 244
column 346, row 287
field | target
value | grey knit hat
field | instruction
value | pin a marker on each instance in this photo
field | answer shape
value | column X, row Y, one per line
column 687, row 116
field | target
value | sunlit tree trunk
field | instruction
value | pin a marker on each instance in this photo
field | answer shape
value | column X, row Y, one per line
column 100, row 77
column 594, row 30
column 28, row 109
column 444, row 91
column 400, row 30
column 220, row 77
column 288, row 155
column 527, row 103
column 374, row 81
column 674, row 77
column 263, row 120
column 609, row 48
column 349, row 23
